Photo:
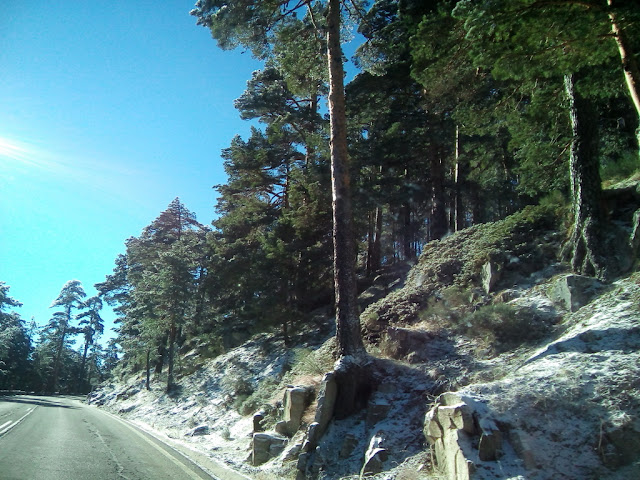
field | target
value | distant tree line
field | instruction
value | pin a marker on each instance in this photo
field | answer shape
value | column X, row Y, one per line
column 43, row 359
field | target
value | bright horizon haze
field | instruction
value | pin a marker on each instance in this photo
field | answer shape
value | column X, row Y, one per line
column 108, row 111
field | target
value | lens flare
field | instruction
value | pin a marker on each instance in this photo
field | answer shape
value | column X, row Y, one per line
column 13, row 152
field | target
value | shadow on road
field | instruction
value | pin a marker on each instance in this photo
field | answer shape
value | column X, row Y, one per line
column 34, row 400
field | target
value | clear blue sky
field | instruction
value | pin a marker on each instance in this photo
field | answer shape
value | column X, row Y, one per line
column 108, row 111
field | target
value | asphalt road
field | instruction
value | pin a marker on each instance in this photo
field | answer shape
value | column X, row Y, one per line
column 60, row 438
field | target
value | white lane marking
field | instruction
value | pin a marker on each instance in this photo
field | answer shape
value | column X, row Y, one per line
column 182, row 466
column 5, row 424
column 13, row 424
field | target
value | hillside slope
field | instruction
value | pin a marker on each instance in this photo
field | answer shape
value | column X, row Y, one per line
column 544, row 366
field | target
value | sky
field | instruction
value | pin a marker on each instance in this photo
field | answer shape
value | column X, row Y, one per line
column 108, row 111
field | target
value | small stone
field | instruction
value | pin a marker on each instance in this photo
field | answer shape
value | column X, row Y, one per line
column 199, row 430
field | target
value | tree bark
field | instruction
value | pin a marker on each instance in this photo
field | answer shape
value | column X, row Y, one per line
column 172, row 343
column 148, row 365
column 348, row 334
column 458, row 214
column 83, row 363
column 586, row 247
column 162, row 350
column 629, row 62
column 438, row 212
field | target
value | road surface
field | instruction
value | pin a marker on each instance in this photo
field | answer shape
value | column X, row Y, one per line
column 60, row 438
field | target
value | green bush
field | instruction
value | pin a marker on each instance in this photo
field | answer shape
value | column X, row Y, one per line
column 307, row 362
column 261, row 397
column 625, row 166
column 505, row 327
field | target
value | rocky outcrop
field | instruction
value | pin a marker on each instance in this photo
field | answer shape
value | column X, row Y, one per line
column 258, row 419
column 573, row 291
column 296, row 400
column 491, row 273
column 266, row 446
column 324, row 413
column 462, row 435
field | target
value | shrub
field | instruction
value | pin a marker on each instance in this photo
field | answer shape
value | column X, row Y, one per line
column 237, row 385
column 262, row 397
column 505, row 326
column 625, row 166
column 307, row 362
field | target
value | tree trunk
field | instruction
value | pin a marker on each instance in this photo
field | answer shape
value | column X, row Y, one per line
column 172, row 342
column 629, row 62
column 83, row 363
column 438, row 219
column 376, row 260
column 351, row 371
column 347, row 316
column 147, row 383
column 162, row 351
column 458, row 213
column 586, row 247
column 58, row 359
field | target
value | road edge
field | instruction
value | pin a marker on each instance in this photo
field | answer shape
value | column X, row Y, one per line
column 211, row 466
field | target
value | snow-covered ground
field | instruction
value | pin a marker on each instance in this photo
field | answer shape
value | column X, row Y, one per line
column 569, row 406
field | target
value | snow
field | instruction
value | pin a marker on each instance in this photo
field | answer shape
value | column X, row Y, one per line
column 568, row 406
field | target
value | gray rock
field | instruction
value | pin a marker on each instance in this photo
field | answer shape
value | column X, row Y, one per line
column 199, row 430
column 258, row 418
column 296, row 400
column 573, row 291
column 491, row 273
column 452, row 428
column 266, row 446
column 326, row 404
column 375, row 456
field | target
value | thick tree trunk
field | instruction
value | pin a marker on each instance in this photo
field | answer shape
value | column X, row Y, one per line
column 586, row 247
column 347, row 315
column 352, row 371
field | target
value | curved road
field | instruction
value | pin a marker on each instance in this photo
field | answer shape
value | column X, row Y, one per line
column 60, row 438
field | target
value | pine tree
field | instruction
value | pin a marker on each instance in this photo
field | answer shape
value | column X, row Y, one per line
column 71, row 297
column 253, row 25
column 157, row 286
column 15, row 344
column 91, row 326
column 526, row 40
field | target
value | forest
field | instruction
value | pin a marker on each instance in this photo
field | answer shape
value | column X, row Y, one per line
column 459, row 113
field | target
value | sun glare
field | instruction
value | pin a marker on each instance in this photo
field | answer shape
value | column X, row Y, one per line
column 15, row 152
column 23, row 155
